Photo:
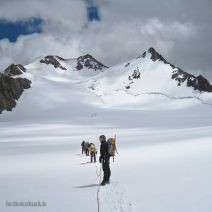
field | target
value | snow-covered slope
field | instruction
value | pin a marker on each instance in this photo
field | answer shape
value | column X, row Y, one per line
column 147, row 82
column 164, row 153
column 149, row 79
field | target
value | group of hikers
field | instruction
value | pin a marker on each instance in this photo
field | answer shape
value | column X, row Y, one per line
column 107, row 149
column 89, row 149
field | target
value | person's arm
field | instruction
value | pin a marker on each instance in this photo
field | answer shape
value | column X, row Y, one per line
column 101, row 154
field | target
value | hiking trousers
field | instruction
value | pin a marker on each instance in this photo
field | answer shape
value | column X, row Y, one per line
column 93, row 157
column 106, row 169
column 87, row 152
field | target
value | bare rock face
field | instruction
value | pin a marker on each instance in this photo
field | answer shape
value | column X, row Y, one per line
column 89, row 62
column 197, row 83
column 53, row 60
column 203, row 84
column 134, row 76
column 14, row 70
column 155, row 55
column 10, row 90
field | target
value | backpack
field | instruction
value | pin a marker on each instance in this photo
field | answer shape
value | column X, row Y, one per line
column 83, row 144
column 92, row 148
column 111, row 142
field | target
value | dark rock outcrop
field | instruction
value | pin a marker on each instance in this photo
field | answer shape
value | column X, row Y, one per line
column 126, row 65
column 53, row 60
column 156, row 56
column 203, row 84
column 14, row 70
column 89, row 62
column 11, row 90
column 197, row 83
column 134, row 76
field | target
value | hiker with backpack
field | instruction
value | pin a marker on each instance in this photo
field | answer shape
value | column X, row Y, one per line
column 107, row 149
column 83, row 146
column 86, row 146
column 93, row 152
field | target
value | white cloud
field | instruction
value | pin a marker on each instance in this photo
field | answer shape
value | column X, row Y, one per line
column 127, row 29
column 68, row 13
column 119, row 42
column 29, row 47
column 110, row 43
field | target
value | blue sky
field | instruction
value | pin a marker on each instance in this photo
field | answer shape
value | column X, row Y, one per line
column 11, row 30
column 92, row 11
column 117, row 31
column 93, row 14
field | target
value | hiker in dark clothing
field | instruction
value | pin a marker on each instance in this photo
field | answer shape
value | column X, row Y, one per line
column 86, row 146
column 105, row 160
column 83, row 146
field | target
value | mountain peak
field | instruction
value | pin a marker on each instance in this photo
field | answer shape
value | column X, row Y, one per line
column 87, row 56
column 153, row 51
column 89, row 62
column 14, row 70
column 53, row 60
column 155, row 55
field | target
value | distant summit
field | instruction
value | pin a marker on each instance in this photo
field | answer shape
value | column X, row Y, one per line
column 53, row 60
column 198, row 83
column 14, row 70
column 88, row 61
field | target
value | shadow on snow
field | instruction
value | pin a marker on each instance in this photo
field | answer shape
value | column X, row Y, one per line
column 87, row 186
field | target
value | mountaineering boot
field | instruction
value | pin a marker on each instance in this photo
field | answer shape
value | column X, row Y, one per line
column 103, row 183
column 107, row 182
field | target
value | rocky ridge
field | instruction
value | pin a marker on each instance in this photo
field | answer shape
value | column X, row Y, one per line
column 53, row 60
column 89, row 62
column 11, row 86
column 196, row 82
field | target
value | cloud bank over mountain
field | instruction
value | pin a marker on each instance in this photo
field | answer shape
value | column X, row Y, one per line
column 180, row 30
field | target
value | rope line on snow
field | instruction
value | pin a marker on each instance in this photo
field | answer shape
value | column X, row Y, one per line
column 98, row 190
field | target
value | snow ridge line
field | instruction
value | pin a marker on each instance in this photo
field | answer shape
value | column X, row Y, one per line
column 167, row 96
column 98, row 190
